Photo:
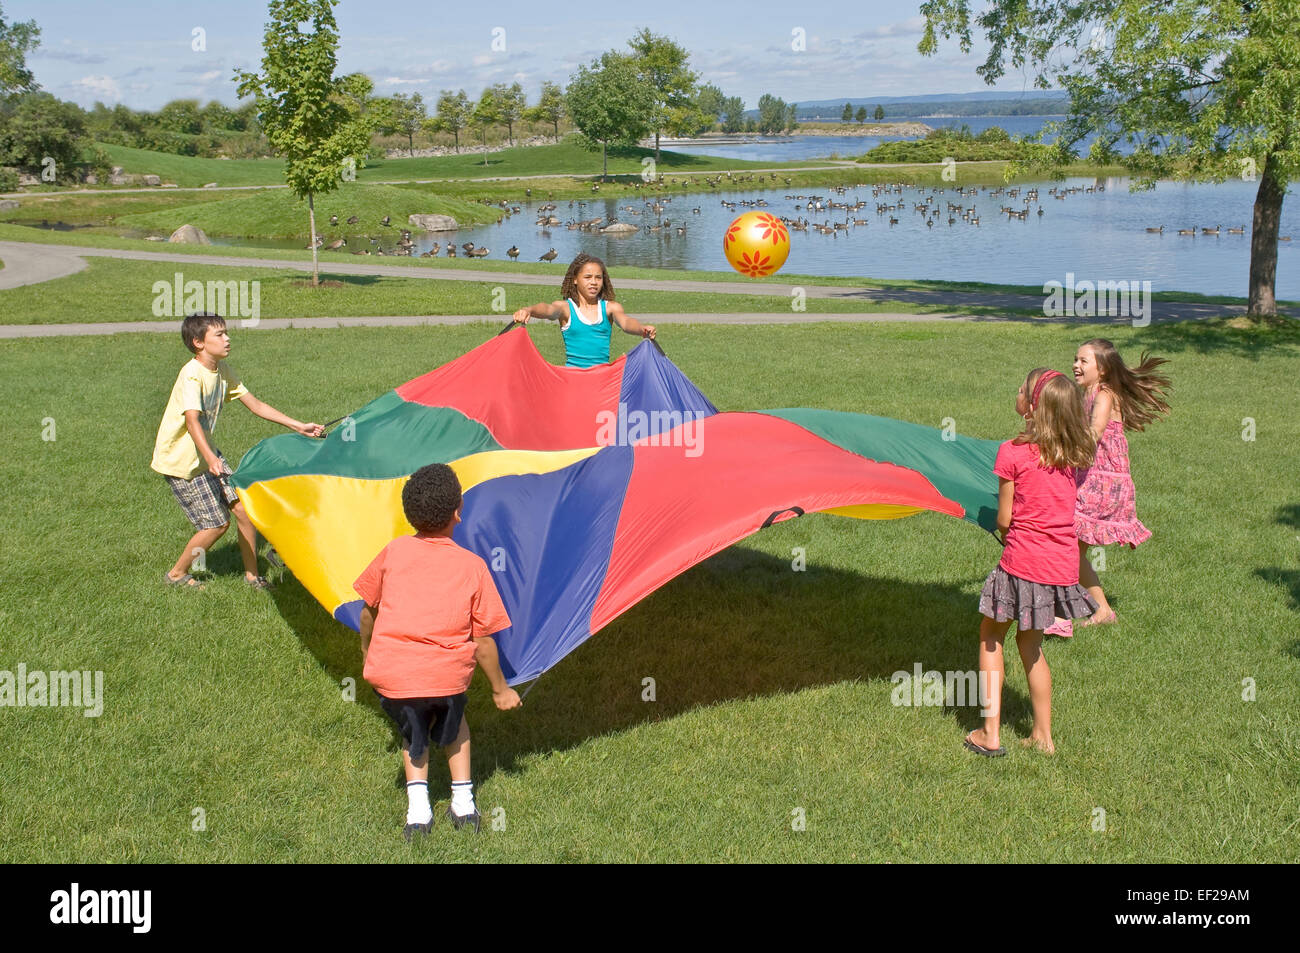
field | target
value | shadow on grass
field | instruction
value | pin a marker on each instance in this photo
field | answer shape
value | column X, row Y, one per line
column 737, row 626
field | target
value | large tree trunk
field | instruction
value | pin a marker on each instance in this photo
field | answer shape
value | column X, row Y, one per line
column 410, row 144
column 656, row 148
column 311, row 217
column 1263, row 240
column 456, row 133
column 557, row 130
column 604, row 155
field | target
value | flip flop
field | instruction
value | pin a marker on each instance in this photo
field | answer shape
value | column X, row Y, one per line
column 1114, row 617
column 185, row 582
column 983, row 751
column 1063, row 628
column 260, row 582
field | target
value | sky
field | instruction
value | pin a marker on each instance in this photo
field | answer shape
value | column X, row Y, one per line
column 143, row 53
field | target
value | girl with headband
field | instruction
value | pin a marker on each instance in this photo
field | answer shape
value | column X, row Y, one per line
column 1037, row 578
column 1117, row 398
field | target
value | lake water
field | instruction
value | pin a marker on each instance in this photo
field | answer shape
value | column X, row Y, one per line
column 1097, row 236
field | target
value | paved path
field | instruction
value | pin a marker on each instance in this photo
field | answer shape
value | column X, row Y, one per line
column 29, row 263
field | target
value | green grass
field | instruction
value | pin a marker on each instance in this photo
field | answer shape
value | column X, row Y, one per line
column 773, row 687
column 277, row 213
column 113, row 290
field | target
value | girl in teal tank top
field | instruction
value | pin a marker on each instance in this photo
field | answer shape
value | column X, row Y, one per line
column 587, row 314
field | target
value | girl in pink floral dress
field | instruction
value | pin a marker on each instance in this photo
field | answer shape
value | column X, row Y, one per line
column 1117, row 398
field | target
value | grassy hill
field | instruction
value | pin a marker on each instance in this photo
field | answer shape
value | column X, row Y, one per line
column 278, row 213
column 566, row 158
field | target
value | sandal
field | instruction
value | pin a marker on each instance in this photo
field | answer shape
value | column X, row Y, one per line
column 981, row 750
column 1114, row 617
column 185, row 582
column 1062, row 627
column 261, row 582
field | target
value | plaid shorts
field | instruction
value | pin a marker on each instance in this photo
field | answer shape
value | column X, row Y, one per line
column 205, row 499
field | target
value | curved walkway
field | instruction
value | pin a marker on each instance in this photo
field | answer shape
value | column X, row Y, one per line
column 30, row 263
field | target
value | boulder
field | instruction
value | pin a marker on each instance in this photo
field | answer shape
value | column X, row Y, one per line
column 433, row 223
column 210, row 185
column 619, row 228
column 7, row 205
column 189, row 235
column 26, row 179
column 152, row 180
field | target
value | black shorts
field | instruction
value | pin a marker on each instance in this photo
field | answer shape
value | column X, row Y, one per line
column 426, row 720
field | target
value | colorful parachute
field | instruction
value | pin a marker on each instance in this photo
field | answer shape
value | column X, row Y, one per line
column 587, row 489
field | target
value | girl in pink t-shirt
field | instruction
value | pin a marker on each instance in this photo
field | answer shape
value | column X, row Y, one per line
column 1037, row 578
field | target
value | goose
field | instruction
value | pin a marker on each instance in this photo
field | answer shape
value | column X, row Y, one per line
column 380, row 251
column 1187, row 231
column 513, row 251
column 386, row 220
column 1284, row 238
column 550, row 255
column 429, row 254
column 451, row 250
column 468, row 247
column 436, row 248
column 892, row 220
column 1158, row 231
column 352, row 220
column 479, row 252
column 1237, row 231
column 337, row 244
column 1211, row 231
column 334, row 219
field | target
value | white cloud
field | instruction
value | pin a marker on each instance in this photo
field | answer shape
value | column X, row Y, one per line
column 210, row 75
column 103, row 88
column 912, row 26
column 483, row 59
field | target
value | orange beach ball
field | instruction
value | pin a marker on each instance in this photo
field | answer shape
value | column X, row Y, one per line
column 756, row 244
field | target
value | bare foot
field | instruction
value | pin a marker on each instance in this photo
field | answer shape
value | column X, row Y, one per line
column 1042, row 744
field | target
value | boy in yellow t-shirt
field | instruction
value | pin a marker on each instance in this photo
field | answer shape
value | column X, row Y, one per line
column 185, row 456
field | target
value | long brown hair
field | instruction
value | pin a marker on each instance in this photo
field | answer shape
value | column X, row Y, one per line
column 571, row 277
column 1139, row 391
column 1056, row 424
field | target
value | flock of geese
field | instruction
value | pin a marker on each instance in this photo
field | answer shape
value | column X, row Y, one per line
column 1215, row 231
column 932, row 204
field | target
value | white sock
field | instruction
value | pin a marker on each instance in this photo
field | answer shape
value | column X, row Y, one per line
column 462, row 798
column 418, row 810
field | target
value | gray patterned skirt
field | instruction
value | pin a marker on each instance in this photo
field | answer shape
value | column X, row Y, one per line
column 1032, row 605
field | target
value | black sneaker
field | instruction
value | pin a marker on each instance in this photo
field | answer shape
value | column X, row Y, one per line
column 457, row 821
column 412, row 830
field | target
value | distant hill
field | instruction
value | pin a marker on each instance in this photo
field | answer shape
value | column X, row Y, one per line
column 944, row 104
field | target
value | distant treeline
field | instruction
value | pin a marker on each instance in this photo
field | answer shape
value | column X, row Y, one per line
column 1038, row 106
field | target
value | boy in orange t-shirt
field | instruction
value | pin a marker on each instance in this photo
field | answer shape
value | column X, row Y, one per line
column 431, row 609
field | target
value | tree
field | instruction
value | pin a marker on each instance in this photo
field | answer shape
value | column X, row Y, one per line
column 485, row 114
column 791, row 117
column 733, row 114
column 608, row 102
column 661, row 64
column 1201, row 89
column 709, row 100
column 16, row 41
column 771, row 114
column 511, row 104
column 847, row 115
column 181, row 116
column 37, row 126
column 879, row 113
column 402, row 114
column 453, row 114
column 550, row 106
column 316, row 121
column 861, row 115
